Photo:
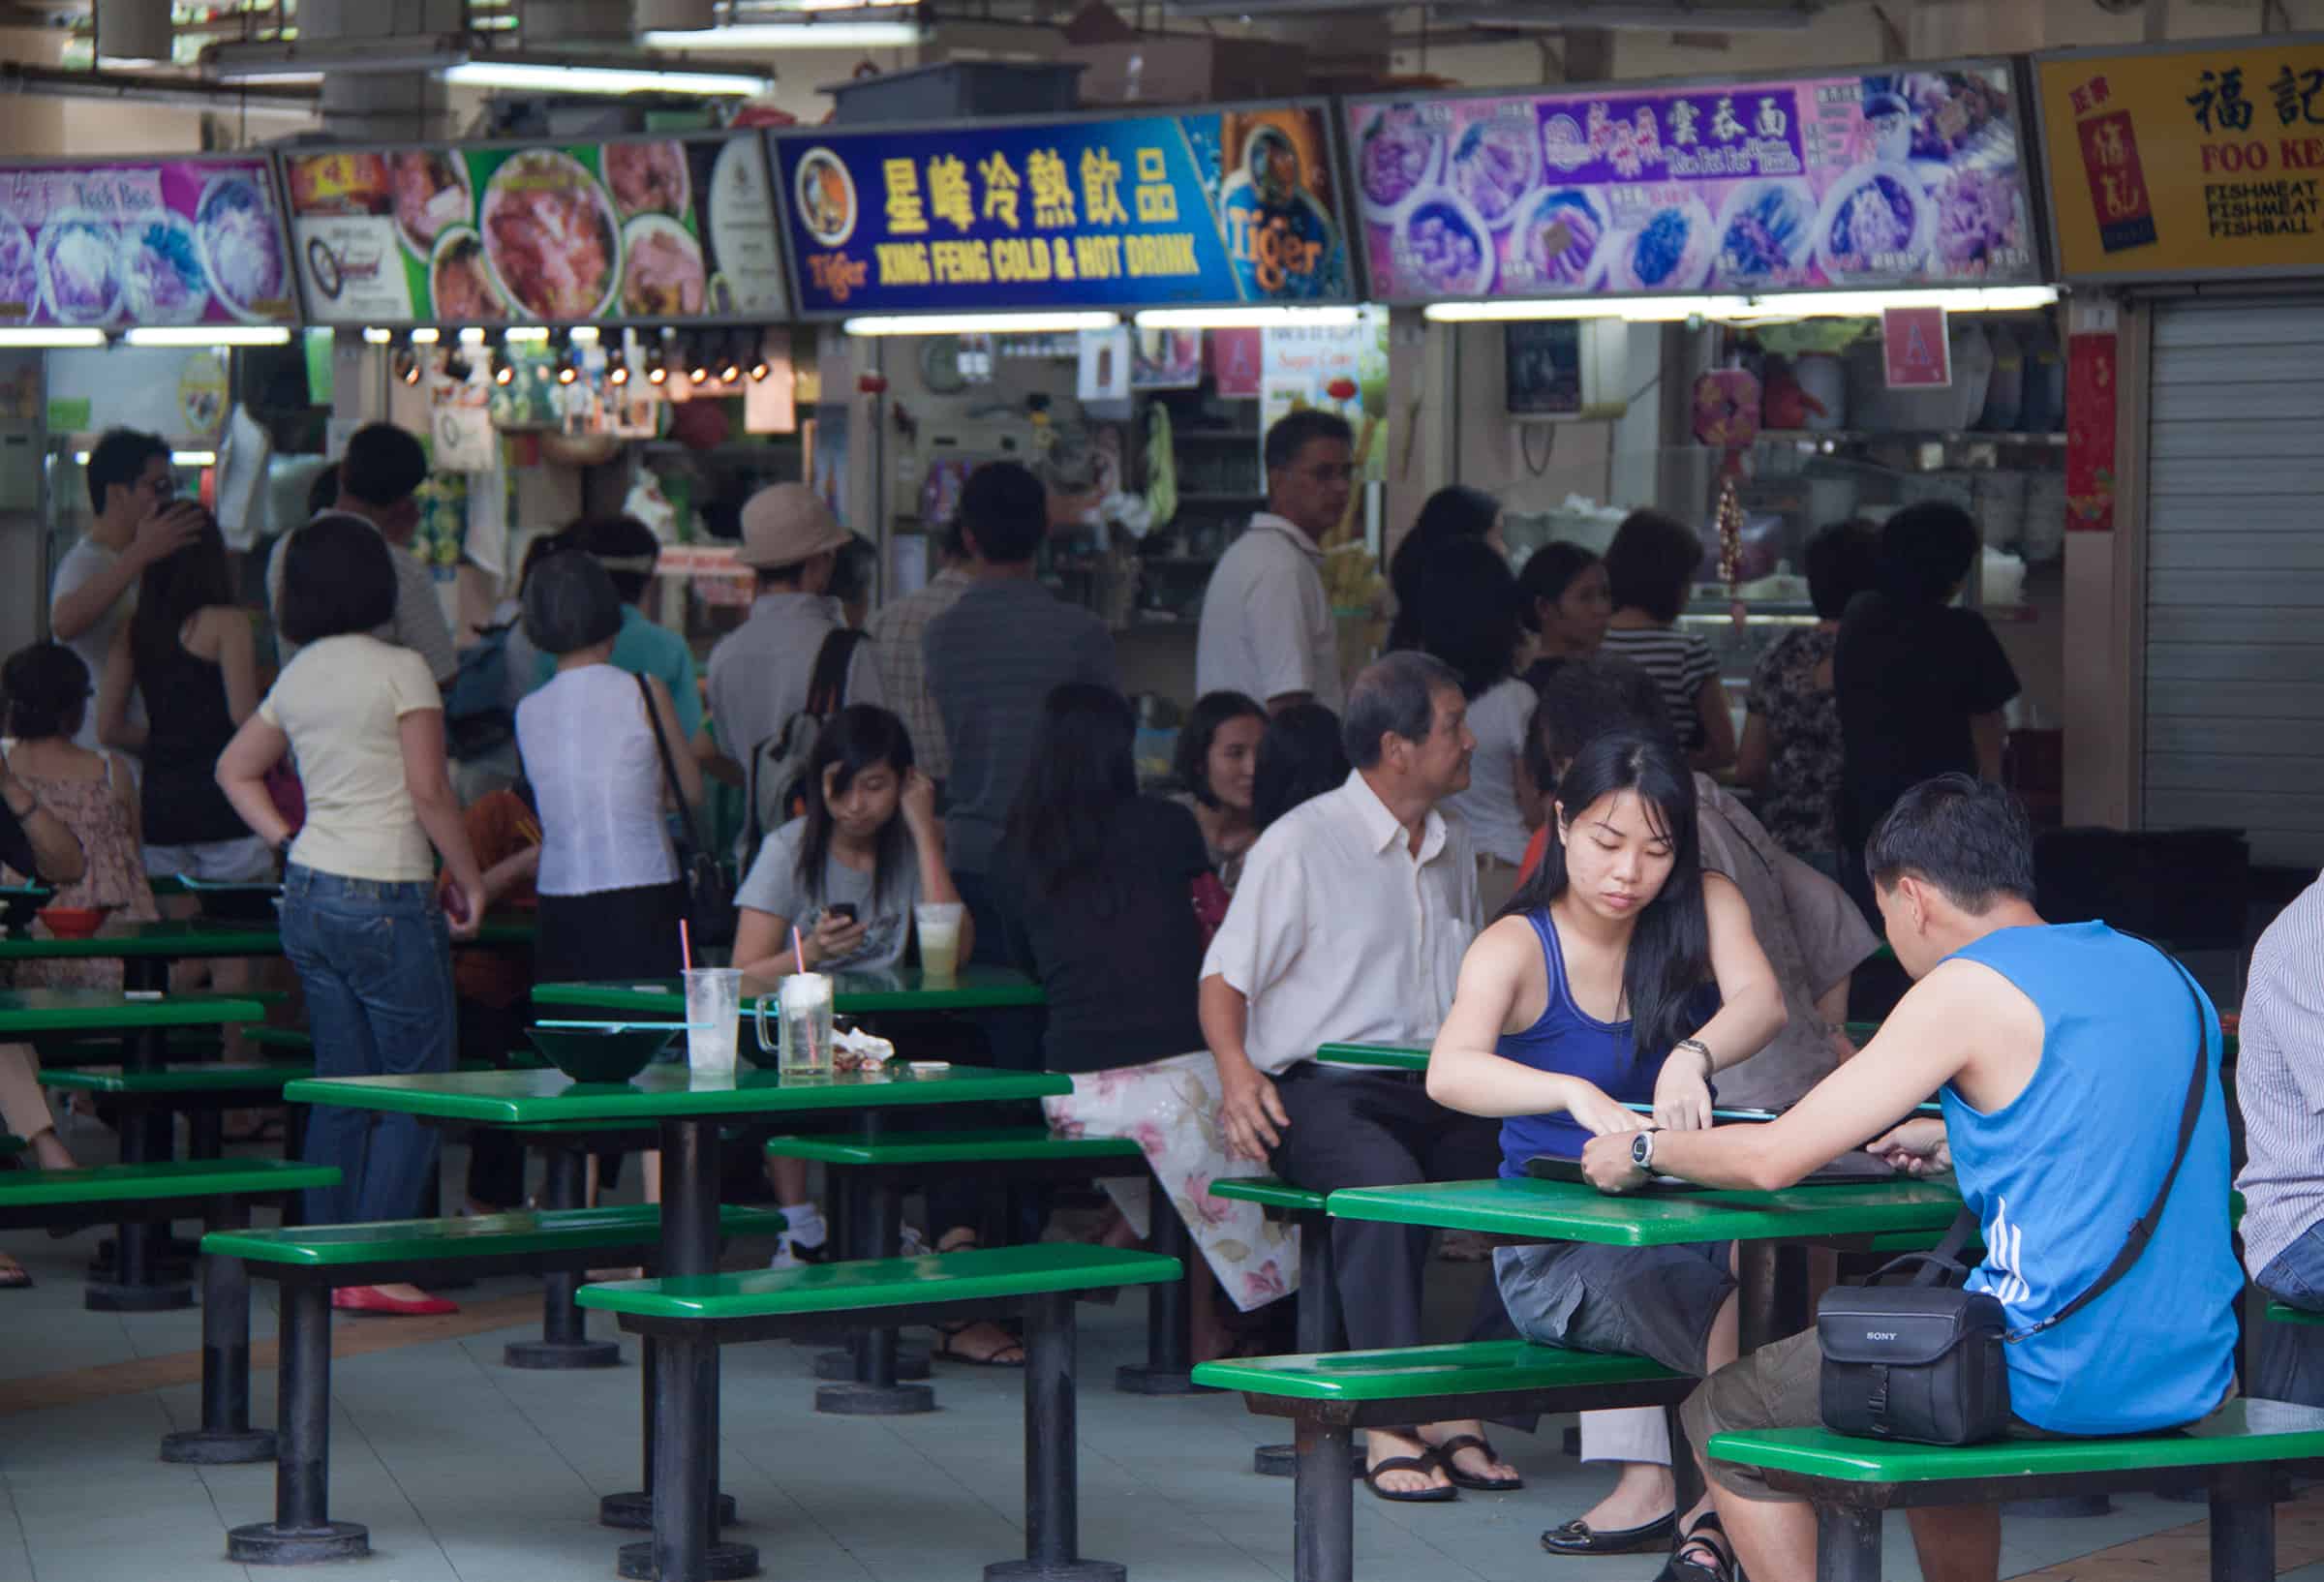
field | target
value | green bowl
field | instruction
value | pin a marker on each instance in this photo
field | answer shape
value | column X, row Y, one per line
column 600, row 1054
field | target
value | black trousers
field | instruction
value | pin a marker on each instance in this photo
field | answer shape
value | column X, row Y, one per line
column 1353, row 1128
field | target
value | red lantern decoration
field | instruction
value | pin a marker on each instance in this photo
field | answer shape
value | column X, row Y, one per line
column 1341, row 389
column 872, row 383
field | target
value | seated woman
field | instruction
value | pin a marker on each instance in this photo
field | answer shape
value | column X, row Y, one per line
column 1096, row 882
column 33, row 843
column 1590, row 994
column 1303, row 755
column 842, row 879
column 1217, row 761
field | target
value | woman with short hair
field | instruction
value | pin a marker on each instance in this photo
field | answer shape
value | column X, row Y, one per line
column 1217, row 762
column 1566, row 605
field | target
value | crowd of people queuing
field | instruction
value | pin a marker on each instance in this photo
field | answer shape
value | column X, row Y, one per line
column 1505, row 838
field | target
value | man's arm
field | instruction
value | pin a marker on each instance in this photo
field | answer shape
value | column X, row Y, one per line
column 1250, row 1109
column 164, row 532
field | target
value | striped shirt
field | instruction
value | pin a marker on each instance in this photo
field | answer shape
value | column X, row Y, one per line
column 2279, row 1081
column 897, row 634
column 1679, row 661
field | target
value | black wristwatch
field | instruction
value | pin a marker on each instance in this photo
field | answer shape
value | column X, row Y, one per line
column 1642, row 1147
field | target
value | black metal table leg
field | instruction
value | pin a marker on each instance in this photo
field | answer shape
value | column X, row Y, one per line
column 2243, row 1525
column 1322, row 1519
column 563, row 1341
column 1321, row 1328
column 224, row 1437
column 138, row 1285
column 873, row 1391
column 634, row 1512
column 302, row 1532
column 685, row 1381
column 1848, row 1543
column 206, row 1134
column 1052, row 1487
column 1169, row 1353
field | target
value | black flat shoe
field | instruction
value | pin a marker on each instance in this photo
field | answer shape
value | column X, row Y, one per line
column 1577, row 1537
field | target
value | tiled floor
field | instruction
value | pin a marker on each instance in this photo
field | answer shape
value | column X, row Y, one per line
column 466, row 1470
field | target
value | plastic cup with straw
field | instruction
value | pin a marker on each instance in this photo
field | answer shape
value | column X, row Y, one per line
column 714, row 1008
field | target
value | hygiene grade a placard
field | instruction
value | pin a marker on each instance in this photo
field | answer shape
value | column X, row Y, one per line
column 2180, row 164
column 1217, row 207
column 115, row 243
column 632, row 231
column 1895, row 178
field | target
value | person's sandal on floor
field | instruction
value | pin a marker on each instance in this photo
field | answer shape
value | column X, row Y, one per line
column 1704, row 1555
column 1449, row 1450
column 1425, row 1465
column 1577, row 1537
column 13, row 1276
column 1003, row 1350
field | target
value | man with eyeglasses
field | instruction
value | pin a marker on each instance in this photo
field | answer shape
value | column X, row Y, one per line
column 138, row 520
column 1266, row 629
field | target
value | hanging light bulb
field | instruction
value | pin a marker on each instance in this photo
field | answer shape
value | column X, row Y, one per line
column 407, row 366
column 617, row 367
column 697, row 363
column 760, row 367
column 503, row 371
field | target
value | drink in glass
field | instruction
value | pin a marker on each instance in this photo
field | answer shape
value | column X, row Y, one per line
column 714, row 1012
column 803, row 1044
column 939, row 924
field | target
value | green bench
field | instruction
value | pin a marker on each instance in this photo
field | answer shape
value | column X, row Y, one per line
column 1322, row 1328
column 689, row 1319
column 308, row 1261
column 881, row 1166
column 1330, row 1395
column 220, row 1192
column 2234, row 1454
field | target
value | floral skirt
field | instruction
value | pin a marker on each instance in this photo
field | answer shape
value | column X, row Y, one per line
column 1170, row 1109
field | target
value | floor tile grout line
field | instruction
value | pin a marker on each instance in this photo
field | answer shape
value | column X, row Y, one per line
column 493, row 1382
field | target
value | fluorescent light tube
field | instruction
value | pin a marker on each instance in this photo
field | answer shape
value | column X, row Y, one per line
column 1266, row 317
column 612, row 80
column 982, row 324
column 792, row 36
column 53, row 339
column 209, row 335
column 1645, row 310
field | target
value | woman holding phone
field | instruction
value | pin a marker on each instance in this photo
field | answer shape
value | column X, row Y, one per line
column 1621, row 973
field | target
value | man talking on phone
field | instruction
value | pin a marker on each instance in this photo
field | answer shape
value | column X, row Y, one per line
column 2048, row 1045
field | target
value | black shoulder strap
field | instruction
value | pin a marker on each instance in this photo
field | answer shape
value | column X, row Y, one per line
column 2143, row 1232
column 827, row 686
column 669, row 775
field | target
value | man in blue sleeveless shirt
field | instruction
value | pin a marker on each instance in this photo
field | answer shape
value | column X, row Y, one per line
column 2055, row 1050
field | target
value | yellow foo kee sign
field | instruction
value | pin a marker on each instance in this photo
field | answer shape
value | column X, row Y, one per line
column 2172, row 164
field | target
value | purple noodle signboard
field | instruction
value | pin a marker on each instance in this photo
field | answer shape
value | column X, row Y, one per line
column 118, row 244
column 1901, row 178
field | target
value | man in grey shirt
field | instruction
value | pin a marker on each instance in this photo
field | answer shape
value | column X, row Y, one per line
column 992, row 660
column 2279, row 1083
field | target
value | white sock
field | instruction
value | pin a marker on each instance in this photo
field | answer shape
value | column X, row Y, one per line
column 806, row 1228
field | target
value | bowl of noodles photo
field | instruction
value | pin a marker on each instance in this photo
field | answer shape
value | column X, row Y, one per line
column 662, row 275
column 550, row 237
column 647, row 178
column 431, row 192
column 459, row 281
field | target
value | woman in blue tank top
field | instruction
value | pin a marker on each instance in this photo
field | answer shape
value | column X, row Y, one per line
column 1621, row 974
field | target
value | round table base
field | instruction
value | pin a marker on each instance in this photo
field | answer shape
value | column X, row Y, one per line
column 1072, row 1570
column 838, row 1367
column 728, row 1561
column 104, row 1296
column 1143, row 1379
column 854, row 1400
column 1283, row 1461
column 263, row 1543
column 550, row 1356
column 634, row 1512
column 218, row 1447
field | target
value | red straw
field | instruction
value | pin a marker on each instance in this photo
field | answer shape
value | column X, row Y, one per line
column 685, row 946
column 798, row 951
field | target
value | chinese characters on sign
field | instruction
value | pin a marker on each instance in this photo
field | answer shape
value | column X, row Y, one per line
column 2191, row 160
column 1217, row 207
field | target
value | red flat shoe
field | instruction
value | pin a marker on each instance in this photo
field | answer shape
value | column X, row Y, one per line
column 375, row 1303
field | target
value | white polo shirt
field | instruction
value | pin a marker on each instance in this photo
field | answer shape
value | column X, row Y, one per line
column 1266, row 624
column 1338, row 934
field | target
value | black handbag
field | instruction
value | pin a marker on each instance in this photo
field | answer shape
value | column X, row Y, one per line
column 1924, row 1361
column 710, row 910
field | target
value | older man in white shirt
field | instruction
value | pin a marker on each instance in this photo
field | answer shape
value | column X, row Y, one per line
column 1267, row 629
column 1349, row 924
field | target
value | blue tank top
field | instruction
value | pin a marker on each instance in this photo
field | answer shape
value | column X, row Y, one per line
column 2058, row 1176
column 1569, row 1041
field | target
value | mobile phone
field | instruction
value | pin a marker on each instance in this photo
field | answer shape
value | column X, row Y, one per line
column 844, row 910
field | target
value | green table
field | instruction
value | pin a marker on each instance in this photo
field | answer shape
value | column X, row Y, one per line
column 1384, row 1056
column 689, row 1111
column 856, row 993
column 146, row 950
column 24, row 1012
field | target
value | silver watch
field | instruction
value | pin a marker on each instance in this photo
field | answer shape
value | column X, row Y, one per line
column 1641, row 1148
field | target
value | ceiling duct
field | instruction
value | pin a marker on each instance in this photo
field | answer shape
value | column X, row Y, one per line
column 134, row 32
column 1787, row 17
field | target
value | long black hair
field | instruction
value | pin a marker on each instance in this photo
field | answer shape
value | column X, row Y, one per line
column 1191, row 758
column 1467, row 611
column 1669, row 954
column 858, row 738
column 173, row 589
column 1085, row 772
column 1453, row 513
column 1303, row 755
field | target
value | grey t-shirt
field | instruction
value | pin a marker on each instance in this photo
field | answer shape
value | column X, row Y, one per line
column 86, row 561
column 773, row 887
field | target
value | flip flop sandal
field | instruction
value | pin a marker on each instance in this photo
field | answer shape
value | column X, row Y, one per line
column 13, row 1276
column 999, row 1358
column 1682, row 1569
column 1458, row 1442
column 1408, row 1497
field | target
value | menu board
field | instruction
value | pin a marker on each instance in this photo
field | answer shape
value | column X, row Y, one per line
column 119, row 242
column 2183, row 163
column 1906, row 178
column 663, row 229
column 1221, row 206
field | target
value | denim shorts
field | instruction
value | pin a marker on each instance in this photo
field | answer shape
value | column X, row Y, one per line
column 1657, row 1302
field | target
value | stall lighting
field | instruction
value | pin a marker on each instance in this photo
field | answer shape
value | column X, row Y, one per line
column 613, row 79
column 730, row 367
column 792, row 36
column 1276, row 316
column 209, row 335
column 1779, row 305
column 472, row 335
column 657, row 366
column 527, row 335
column 584, row 335
column 426, row 336
column 373, row 335
column 407, row 367
column 617, row 367
column 177, row 458
column 50, row 339
column 982, row 324
column 503, row 371
column 760, row 367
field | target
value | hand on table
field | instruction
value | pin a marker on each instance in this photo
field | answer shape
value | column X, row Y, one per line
column 1608, row 1163
column 1590, row 1108
column 1682, row 1094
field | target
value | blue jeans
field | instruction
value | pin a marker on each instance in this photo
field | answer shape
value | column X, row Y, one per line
column 375, row 960
column 2291, row 1355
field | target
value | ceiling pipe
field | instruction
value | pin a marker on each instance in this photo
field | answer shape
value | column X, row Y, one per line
column 143, row 88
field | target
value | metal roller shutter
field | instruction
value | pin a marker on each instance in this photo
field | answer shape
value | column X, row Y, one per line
column 2234, row 573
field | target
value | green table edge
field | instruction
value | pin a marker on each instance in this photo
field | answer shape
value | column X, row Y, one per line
column 998, row 1144
column 1529, row 1208
column 972, row 992
column 570, row 1101
column 201, row 1179
column 2225, row 1438
column 474, row 1234
column 1271, row 1190
column 117, row 1014
column 1039, row 1270
column 1462, row 1368
column 210, row 1077
column 1386, row 1056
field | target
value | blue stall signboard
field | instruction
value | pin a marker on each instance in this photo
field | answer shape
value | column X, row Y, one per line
column 1221, row 206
